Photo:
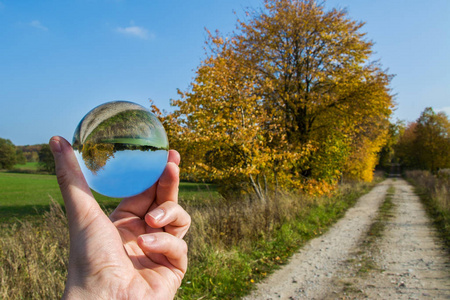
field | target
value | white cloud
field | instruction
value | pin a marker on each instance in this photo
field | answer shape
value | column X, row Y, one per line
column 444, row 109
column 135, row 31
column 37, row 24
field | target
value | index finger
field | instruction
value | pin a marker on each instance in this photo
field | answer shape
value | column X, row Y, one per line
column 167, row 187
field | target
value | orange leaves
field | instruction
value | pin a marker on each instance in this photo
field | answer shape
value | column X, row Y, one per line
column 319, row 188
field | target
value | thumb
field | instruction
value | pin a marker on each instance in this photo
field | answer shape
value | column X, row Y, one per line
column 81, row 206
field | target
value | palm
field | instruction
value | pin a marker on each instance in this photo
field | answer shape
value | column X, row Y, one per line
column 151, row 270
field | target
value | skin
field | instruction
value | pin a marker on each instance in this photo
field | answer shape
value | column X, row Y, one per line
column 135, row 253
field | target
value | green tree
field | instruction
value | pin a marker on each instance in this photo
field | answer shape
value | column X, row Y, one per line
column 46, row 161
column 7, row 154
column 20, row 157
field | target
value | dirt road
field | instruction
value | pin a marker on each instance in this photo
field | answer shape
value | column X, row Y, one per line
column 406, row 262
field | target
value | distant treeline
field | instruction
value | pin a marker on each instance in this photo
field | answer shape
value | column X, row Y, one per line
column 30, row 152
column 11, row 155
column 425, row 143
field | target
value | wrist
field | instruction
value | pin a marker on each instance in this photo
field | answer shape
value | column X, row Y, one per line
column 73, row 293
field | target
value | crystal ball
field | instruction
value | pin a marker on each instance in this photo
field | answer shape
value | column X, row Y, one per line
column 121, row 147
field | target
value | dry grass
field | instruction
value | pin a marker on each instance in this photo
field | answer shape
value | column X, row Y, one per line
column 435, row 194
column 437, row 186
column 33, row 257
column 226, row 224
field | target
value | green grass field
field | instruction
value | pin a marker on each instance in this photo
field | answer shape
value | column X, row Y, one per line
column 27, row 195
column 29, row 166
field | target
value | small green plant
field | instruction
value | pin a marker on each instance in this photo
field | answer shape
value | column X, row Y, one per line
column 376, row 231
column 384, row 213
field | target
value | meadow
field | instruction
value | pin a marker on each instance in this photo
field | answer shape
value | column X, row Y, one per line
column 30, row 167
column 24, row 195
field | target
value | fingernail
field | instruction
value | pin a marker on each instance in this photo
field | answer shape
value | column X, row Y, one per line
column 157, row 214
column 148, row 239
column 55, row 145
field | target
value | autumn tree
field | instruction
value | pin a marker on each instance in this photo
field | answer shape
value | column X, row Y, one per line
column 224, row 131
column 425, row 143
column 433, row 140
column 387, row 153
column 288, row 98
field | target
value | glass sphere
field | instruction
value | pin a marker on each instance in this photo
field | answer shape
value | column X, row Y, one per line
column 122, row 148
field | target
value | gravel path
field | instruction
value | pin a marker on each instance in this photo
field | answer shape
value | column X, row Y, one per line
column 410, row 262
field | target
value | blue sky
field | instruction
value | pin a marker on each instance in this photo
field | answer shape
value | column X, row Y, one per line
column 59, row 59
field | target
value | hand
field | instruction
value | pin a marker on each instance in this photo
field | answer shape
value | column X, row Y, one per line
column 137, row 253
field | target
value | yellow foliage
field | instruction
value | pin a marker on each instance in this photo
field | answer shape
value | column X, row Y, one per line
column 293, row 114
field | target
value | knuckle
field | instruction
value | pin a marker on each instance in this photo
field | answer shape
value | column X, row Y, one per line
column 188, row 220
column 184, row 247
column 62, row 177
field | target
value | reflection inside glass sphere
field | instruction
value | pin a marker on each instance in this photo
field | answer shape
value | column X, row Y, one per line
column 121, row 147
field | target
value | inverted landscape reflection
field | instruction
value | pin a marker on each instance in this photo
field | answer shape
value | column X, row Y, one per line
column 129, row 173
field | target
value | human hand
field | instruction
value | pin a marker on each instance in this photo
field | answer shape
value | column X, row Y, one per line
column 136, row 253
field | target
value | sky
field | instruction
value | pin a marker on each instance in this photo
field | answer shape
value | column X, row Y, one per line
column 61, row 58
